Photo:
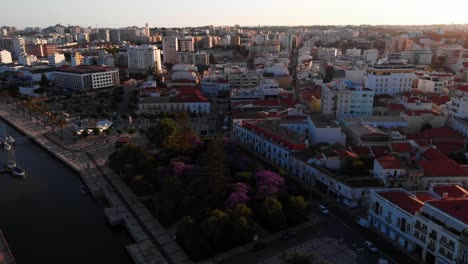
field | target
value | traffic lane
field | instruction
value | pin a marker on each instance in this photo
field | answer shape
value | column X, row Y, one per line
column 386, row 249
column 330, row 225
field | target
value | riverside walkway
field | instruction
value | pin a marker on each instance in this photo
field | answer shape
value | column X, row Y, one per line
column 153, row 243
column 5, row 254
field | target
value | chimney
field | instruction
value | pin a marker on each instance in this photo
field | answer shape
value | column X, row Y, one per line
column 445, row 195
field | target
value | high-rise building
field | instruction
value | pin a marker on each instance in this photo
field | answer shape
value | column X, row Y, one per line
column 207, row 42
column 147, row 31
column 18, row 46
column 142, row 58
column 35, row 50
column 170, row 48
column 346, row 99
column 114, row 35
column 185, row 44
column 49, row 49
column 390, row 77
column 5, row 57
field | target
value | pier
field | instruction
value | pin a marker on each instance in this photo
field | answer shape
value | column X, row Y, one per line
column 153, row 243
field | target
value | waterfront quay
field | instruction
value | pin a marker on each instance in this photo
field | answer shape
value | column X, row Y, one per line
column 5, row 254
column 152, row 243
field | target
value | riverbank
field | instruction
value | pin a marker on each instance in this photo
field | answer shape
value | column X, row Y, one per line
column 5, row 254
column 153, row 244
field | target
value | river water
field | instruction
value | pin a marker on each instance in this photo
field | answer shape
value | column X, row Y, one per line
column 46, row 219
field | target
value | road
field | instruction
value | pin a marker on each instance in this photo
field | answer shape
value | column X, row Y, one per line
column 337, row 225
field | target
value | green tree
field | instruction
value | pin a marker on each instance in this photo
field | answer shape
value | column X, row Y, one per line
column 296, row 210
column 131, row 131
column 44, row 82
column 216, row 170
column 96, row 131
column 162, row 133
column 271, row 214
column 85, row 133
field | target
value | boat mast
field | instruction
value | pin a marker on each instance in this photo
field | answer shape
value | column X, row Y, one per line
column 9, row 148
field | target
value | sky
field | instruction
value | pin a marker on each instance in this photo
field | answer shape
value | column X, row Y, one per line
column 181, row 13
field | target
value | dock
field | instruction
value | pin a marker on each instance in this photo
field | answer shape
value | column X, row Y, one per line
column 5, row 254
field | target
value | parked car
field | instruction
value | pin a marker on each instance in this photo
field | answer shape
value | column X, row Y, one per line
column 370, row 246
column 323, row 209
column 362, row 222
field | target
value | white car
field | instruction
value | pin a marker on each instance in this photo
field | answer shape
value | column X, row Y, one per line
column 323, row 209
column 370, row 246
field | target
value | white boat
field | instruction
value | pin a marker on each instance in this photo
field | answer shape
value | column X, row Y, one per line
column 84, row 189
column 18, row 172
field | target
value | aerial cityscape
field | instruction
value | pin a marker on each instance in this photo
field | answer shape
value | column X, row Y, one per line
column 250, row 132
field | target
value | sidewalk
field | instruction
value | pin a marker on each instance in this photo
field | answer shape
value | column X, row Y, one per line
column 318, row 250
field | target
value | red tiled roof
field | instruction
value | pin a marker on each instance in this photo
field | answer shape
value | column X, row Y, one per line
column 463, row 88
column 390, row 162
column 308, row 95
column 190, row 95
column 423, row 197
column 400, row 147
column 441, row 168
column 465, row 64
column 453, row 191
column 361, row 150
column 434, row 154
column 420, row 112
column 380, row 151
column 457, row 208
column 396, row 107
column 348, row 154
column 403, row 200
column 443, row 132
column 440, row 100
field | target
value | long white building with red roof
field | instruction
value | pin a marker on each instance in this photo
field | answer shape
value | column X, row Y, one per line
column 431, row 225
column 185, row 99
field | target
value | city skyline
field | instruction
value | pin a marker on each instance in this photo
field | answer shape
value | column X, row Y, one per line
column 244, row 13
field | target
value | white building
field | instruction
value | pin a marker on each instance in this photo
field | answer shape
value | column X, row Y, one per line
column 458, row 107
column 325, row 130
column 214, row 86
column 440, row 230
column 327, row 54
column 371, row 56
column 86, row 77
column 56, row 60
column 170, row 48
column 5, row 57
column 432, row 84
column 346, row 99
column 269, row 140
column 18, row 46
column 390, row 77
column 392, row 213
column 25, row 59
column 353, row 52
column 418, row 57
column 388, row 169
column 142, row 58
column 186, row 99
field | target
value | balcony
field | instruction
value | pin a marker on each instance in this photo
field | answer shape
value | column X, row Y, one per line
column 431, row 247
column 447, row 245
column 388, row 219
column 420, row 229
column 433, row 235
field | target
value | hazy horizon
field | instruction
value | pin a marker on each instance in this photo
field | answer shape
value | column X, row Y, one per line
column 118, row 13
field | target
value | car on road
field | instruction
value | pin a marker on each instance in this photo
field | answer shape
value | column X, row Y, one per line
column 362, row 222
column 323, row 209
column 370, row 246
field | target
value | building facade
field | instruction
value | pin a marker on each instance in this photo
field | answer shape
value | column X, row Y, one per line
column 142, row 58
column 82, row 78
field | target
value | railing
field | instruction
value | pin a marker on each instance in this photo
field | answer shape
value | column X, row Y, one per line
column 446, row 244
column 433, row 235
column 431, row 247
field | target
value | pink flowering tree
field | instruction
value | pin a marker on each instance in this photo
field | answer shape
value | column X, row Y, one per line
column 240, row 195
column 268, row 183
column 178, row 168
